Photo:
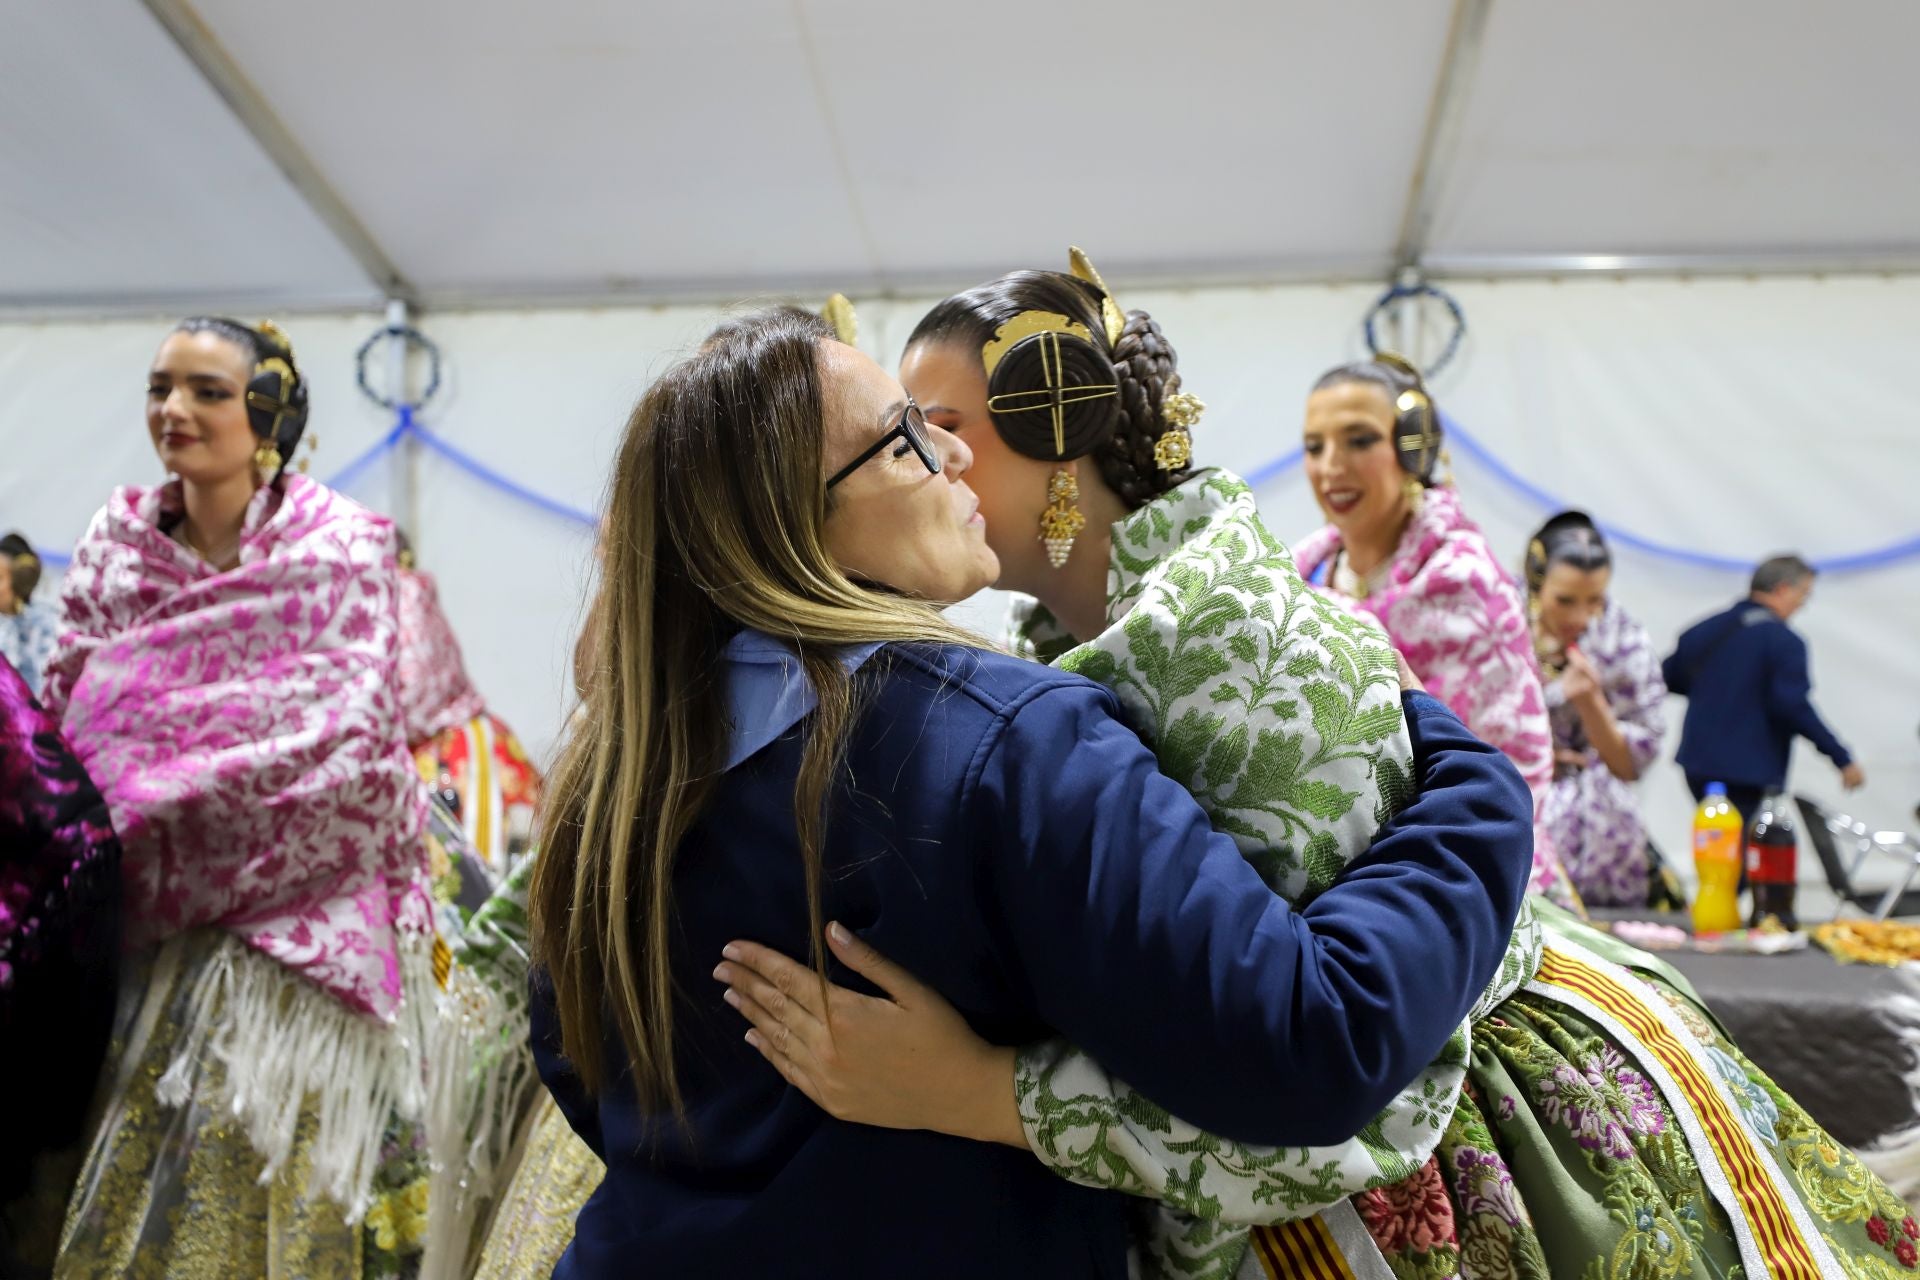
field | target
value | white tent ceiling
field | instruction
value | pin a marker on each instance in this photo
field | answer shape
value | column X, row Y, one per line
column 162, row 153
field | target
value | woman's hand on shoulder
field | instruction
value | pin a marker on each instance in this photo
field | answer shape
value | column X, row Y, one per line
column 907, row 1060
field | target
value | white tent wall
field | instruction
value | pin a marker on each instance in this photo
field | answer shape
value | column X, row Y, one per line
column 1730, row 416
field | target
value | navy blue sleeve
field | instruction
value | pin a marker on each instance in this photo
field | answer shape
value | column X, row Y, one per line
column 1790, row 695
column 575, row 1103
column 1149, row 942
column 1677, row 673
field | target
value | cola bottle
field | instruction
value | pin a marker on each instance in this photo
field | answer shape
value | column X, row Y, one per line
column 1773, row 859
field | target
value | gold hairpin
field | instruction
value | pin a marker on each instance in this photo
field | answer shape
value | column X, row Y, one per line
column 1054, row 394
column 1111, row 317
column 838, row 312
column 1024, row 326
column 274, row 404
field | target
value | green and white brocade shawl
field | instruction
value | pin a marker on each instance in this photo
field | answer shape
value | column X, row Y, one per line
column 1281, row 712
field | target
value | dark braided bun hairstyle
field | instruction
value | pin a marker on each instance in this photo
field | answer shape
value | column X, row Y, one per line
column 1111, row 395
column 1570, row 538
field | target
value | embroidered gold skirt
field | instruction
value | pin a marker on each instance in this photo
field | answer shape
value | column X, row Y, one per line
column 534, row 1223
column 175, row 1191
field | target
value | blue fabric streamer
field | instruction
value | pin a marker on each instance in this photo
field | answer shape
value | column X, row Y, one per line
column 1257, row 478
column 1854, row 562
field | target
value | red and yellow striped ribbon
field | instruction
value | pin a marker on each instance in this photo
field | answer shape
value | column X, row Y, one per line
column 1300, row 1249
column 1786, row 1251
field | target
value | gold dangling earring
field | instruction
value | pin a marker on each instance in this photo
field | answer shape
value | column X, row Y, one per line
column 267, row 461
column 1416, row 493
column 1061, row 522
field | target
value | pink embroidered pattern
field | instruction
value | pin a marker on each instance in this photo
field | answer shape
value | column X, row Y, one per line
column 243, row 729
column 435, row 693
column 1458, row 617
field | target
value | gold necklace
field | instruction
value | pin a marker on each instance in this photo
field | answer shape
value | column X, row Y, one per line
column 1361, row 585
column 217, row 561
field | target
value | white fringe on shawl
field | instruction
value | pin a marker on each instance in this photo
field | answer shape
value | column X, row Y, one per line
column 482, row 1083
column 280, row 1039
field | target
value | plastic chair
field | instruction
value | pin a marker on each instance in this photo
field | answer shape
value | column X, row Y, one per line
column 1833, row 833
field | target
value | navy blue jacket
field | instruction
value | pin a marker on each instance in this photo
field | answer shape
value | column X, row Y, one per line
column 1744, row 674
column 1010, row 841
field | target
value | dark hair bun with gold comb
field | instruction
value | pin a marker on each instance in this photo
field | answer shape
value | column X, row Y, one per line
column 1052, row 389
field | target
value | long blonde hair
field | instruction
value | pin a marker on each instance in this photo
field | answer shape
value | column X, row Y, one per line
column 715, row 521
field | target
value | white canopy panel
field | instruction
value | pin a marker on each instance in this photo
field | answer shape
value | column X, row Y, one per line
column 123, row 176
column 1747, row 127
column 594, row 149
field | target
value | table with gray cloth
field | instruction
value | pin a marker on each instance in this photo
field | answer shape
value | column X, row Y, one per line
column 1844, row 1040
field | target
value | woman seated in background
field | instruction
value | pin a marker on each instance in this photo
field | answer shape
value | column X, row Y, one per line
column 783, row 525
column 28, row 631
column 1399, row 547
column 1604, row 698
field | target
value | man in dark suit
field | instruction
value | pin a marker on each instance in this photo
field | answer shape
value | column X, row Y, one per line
column 1744, row 675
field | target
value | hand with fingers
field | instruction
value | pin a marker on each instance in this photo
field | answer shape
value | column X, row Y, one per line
column 907, row 1060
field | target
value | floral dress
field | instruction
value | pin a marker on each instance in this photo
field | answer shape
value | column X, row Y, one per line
column 1594, row 816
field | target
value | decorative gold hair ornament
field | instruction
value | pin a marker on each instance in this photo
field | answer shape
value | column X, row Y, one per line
column 838, row 312
column 1054, row 393
column 1414, row 400
column 1024, row 326
column 1111, row 317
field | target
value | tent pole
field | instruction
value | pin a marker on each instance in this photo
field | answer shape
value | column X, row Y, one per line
column 403, row 496
column 257, row 116
column 1465, row 36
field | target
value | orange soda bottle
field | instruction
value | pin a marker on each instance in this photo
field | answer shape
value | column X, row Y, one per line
column 1716, row 862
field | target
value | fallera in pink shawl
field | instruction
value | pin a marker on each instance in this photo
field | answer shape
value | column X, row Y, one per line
column 1459, row 619
column 244, row 729
column 435, row 690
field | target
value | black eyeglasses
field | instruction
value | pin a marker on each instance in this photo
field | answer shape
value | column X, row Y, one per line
column 912, row 427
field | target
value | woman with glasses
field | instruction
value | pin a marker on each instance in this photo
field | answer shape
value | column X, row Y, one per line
column 783, row 740
column 1595, row 1122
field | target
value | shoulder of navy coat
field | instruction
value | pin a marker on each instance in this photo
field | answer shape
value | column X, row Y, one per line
column 1744, row 674
column 1006, row 837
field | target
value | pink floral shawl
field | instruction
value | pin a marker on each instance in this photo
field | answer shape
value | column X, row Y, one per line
column 435, row 692
column 243, row 728
column 1458, row 617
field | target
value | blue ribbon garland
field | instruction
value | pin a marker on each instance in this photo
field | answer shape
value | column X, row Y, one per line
column 1257, row 478
column 1854, row 562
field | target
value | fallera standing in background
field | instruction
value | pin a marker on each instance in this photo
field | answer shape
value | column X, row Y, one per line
column 1399, row 546
column 225, row 677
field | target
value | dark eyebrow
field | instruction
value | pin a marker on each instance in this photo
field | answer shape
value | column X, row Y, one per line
column 193, row 377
